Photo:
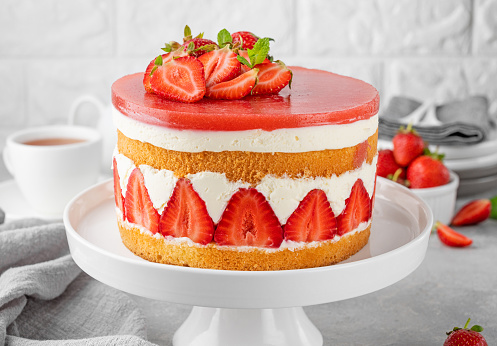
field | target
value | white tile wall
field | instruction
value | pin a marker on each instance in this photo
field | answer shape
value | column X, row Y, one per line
column 53, row 51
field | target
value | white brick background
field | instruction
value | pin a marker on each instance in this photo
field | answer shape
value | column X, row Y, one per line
column 52, row 51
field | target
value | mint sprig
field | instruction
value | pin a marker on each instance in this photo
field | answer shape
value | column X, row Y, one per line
column 224, row 38
column 257, row 54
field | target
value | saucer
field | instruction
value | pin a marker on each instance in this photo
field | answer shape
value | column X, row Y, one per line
column 15, row 206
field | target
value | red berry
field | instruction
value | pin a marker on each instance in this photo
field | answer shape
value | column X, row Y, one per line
column 186, row 215
column 472, row 213
column 118, row 195
column 219, row 66
column 245, row 38
column 273, row 77
column 313, row 220
column 387, row 164
column 427, row 171
column 180, row 79
column 357, row 209
column 199, row 46
column 249, row 220
column 137, row 204
column 407, row 145
column 150, row 68
column 450, row 237
column 234, row 89
column 465, row 336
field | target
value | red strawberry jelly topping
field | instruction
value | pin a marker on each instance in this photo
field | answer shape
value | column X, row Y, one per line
column 316, row 98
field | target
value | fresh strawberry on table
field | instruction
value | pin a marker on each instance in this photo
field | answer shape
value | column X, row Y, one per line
column 466, row 337
column 427, row 170
column 180, row 79
column 407, row 145
column 473, row 213
column 450, row 237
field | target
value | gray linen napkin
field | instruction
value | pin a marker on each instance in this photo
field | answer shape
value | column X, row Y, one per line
column 45, row 299
column 455, row 123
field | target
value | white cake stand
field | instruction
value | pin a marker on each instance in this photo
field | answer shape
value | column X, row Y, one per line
column 251, row 308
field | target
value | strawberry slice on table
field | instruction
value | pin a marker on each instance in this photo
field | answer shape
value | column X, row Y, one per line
column 118, row 194
column 427, row 171
column 407, row 145
column 472, row 213
column 137, row 204
column 180, row 79
column 234, row 89
column 313, row 220
column 186, row 215
column 357, row 209
column 249, row 220
column 245, row 38
column 450, row 237
column 273, row 77
column 219, row 66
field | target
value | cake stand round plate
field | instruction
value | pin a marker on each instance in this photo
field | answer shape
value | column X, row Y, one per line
column 251, row 308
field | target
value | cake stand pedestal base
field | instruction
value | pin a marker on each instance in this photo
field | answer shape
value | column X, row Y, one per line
column 247, row 327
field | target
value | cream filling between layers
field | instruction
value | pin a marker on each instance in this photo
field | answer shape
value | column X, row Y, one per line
column 283, row 193
column 293, row 140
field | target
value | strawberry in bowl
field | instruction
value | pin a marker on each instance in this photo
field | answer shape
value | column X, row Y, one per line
column 410, row 163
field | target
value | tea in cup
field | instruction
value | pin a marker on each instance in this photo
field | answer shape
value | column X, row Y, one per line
column 52, row 164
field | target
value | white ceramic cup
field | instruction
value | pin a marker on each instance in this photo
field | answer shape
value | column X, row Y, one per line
column 49, row 176
column 104, row 124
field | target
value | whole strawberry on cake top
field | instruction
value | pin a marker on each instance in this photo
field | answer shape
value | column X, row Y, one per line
column 219, row 164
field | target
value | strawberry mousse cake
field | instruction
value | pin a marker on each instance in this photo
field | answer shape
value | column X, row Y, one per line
column 271, row 180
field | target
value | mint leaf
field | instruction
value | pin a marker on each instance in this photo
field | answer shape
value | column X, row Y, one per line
column 223, row 38
column 259, row 52
column 493, row 208
column 242, row 60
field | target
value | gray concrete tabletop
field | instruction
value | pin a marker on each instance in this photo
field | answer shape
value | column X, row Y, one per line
column 450, row 286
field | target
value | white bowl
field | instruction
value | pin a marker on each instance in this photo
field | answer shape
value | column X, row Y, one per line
column 441, row 199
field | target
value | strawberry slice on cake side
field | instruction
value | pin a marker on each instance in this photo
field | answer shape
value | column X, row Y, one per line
column 313, row 220
column 186, row 215
column 357, row 209
column 249, row 220
column 139, row 208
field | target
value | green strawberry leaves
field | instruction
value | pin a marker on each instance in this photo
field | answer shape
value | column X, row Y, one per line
column 157, row 63
column 493, row 208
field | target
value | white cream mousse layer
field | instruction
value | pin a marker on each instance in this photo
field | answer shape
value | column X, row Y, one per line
column 283, row 193
column 294, row 140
